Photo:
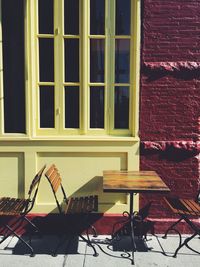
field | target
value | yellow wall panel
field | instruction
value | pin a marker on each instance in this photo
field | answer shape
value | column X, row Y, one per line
column 12, row 174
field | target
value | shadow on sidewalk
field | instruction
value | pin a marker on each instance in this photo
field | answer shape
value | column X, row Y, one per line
column 46, row 244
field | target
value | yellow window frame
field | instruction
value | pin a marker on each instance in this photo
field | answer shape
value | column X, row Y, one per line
column 84, row 82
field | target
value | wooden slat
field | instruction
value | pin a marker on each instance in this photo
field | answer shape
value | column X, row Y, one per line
column 68, row 205
column 49, row 171
column 92, row 203
column 192, row 206
column 176, row 206
column 95, row 203
column 57, row 182
column 12, row 206
column 36, row 180
column 54, row 177
column 3, row 201
column 82, row 205
column 86, row 204
column 183, row 206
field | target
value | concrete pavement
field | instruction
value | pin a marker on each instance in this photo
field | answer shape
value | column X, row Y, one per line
column 78, row 254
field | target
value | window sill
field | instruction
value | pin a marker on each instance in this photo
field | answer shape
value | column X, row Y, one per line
column 72, row 138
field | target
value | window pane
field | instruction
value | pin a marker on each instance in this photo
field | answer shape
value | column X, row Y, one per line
column 121, row 107
column 96, row 60
column 46, row 57
column 45, row 11
column 13, row 65
column 122, row 61
column 72, row 60
column 71, row 107
column 97, row 17
column 96, row 107
column 46, row 107
column 71, row 15
column 123, row 8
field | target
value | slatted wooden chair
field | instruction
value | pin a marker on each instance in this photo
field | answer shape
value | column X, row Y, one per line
column 19, row 208
column 74, row 205
column 186, row 209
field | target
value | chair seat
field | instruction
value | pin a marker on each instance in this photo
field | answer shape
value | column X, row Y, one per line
column 12, row 206
column 81, row 205
column 183, row 206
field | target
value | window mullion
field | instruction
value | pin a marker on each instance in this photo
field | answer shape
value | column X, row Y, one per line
column 107, row 67
column 85, row 66
column 135, row 61
column 58, row 65
column 111, row 63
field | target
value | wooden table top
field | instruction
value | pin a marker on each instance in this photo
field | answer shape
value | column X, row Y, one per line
column 133, row 181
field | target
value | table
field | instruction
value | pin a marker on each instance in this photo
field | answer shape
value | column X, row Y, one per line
column 133, row 182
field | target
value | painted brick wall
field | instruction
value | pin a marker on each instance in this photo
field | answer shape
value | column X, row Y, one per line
column 170, row 98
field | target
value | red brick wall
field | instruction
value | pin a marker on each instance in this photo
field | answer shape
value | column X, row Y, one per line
column 170, row 97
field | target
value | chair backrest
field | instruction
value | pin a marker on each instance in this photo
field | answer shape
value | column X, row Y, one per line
column 55, row 181
column 144, row 211
column 32, row 193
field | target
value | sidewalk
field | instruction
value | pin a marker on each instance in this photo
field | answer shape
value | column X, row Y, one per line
column 12, row 253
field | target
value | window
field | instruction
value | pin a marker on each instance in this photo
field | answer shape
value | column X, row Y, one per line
column 85, row 67
column 70, row 67
column 13, row 66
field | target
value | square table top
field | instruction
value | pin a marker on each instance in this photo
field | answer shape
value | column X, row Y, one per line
column 133, row 181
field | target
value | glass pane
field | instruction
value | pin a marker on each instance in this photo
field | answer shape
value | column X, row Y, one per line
column 121, row 107
column 96, row 107
column 72, row 60
column 71, row 107
column 123, row 8
column 96, row 60
column 122, row 61
column 13, row 65
column 45, row 12
column 46, row 58
column 46, row 107
column 71, row 15
column 97, row 17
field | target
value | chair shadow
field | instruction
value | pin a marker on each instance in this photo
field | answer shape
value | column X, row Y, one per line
column 53, row 229
column 46, row 244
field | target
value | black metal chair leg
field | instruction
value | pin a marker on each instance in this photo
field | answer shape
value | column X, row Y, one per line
column 21, row 239
column 89, row 244
column 93, row 230
column 171, row 227
column 184, row 243
column 8, row 229
column 32, row 224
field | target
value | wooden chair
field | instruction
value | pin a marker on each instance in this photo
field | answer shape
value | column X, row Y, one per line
column 74, row 205
column 19, row 208
column 186, row 209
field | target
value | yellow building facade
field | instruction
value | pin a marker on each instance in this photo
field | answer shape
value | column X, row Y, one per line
column 69, row 95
